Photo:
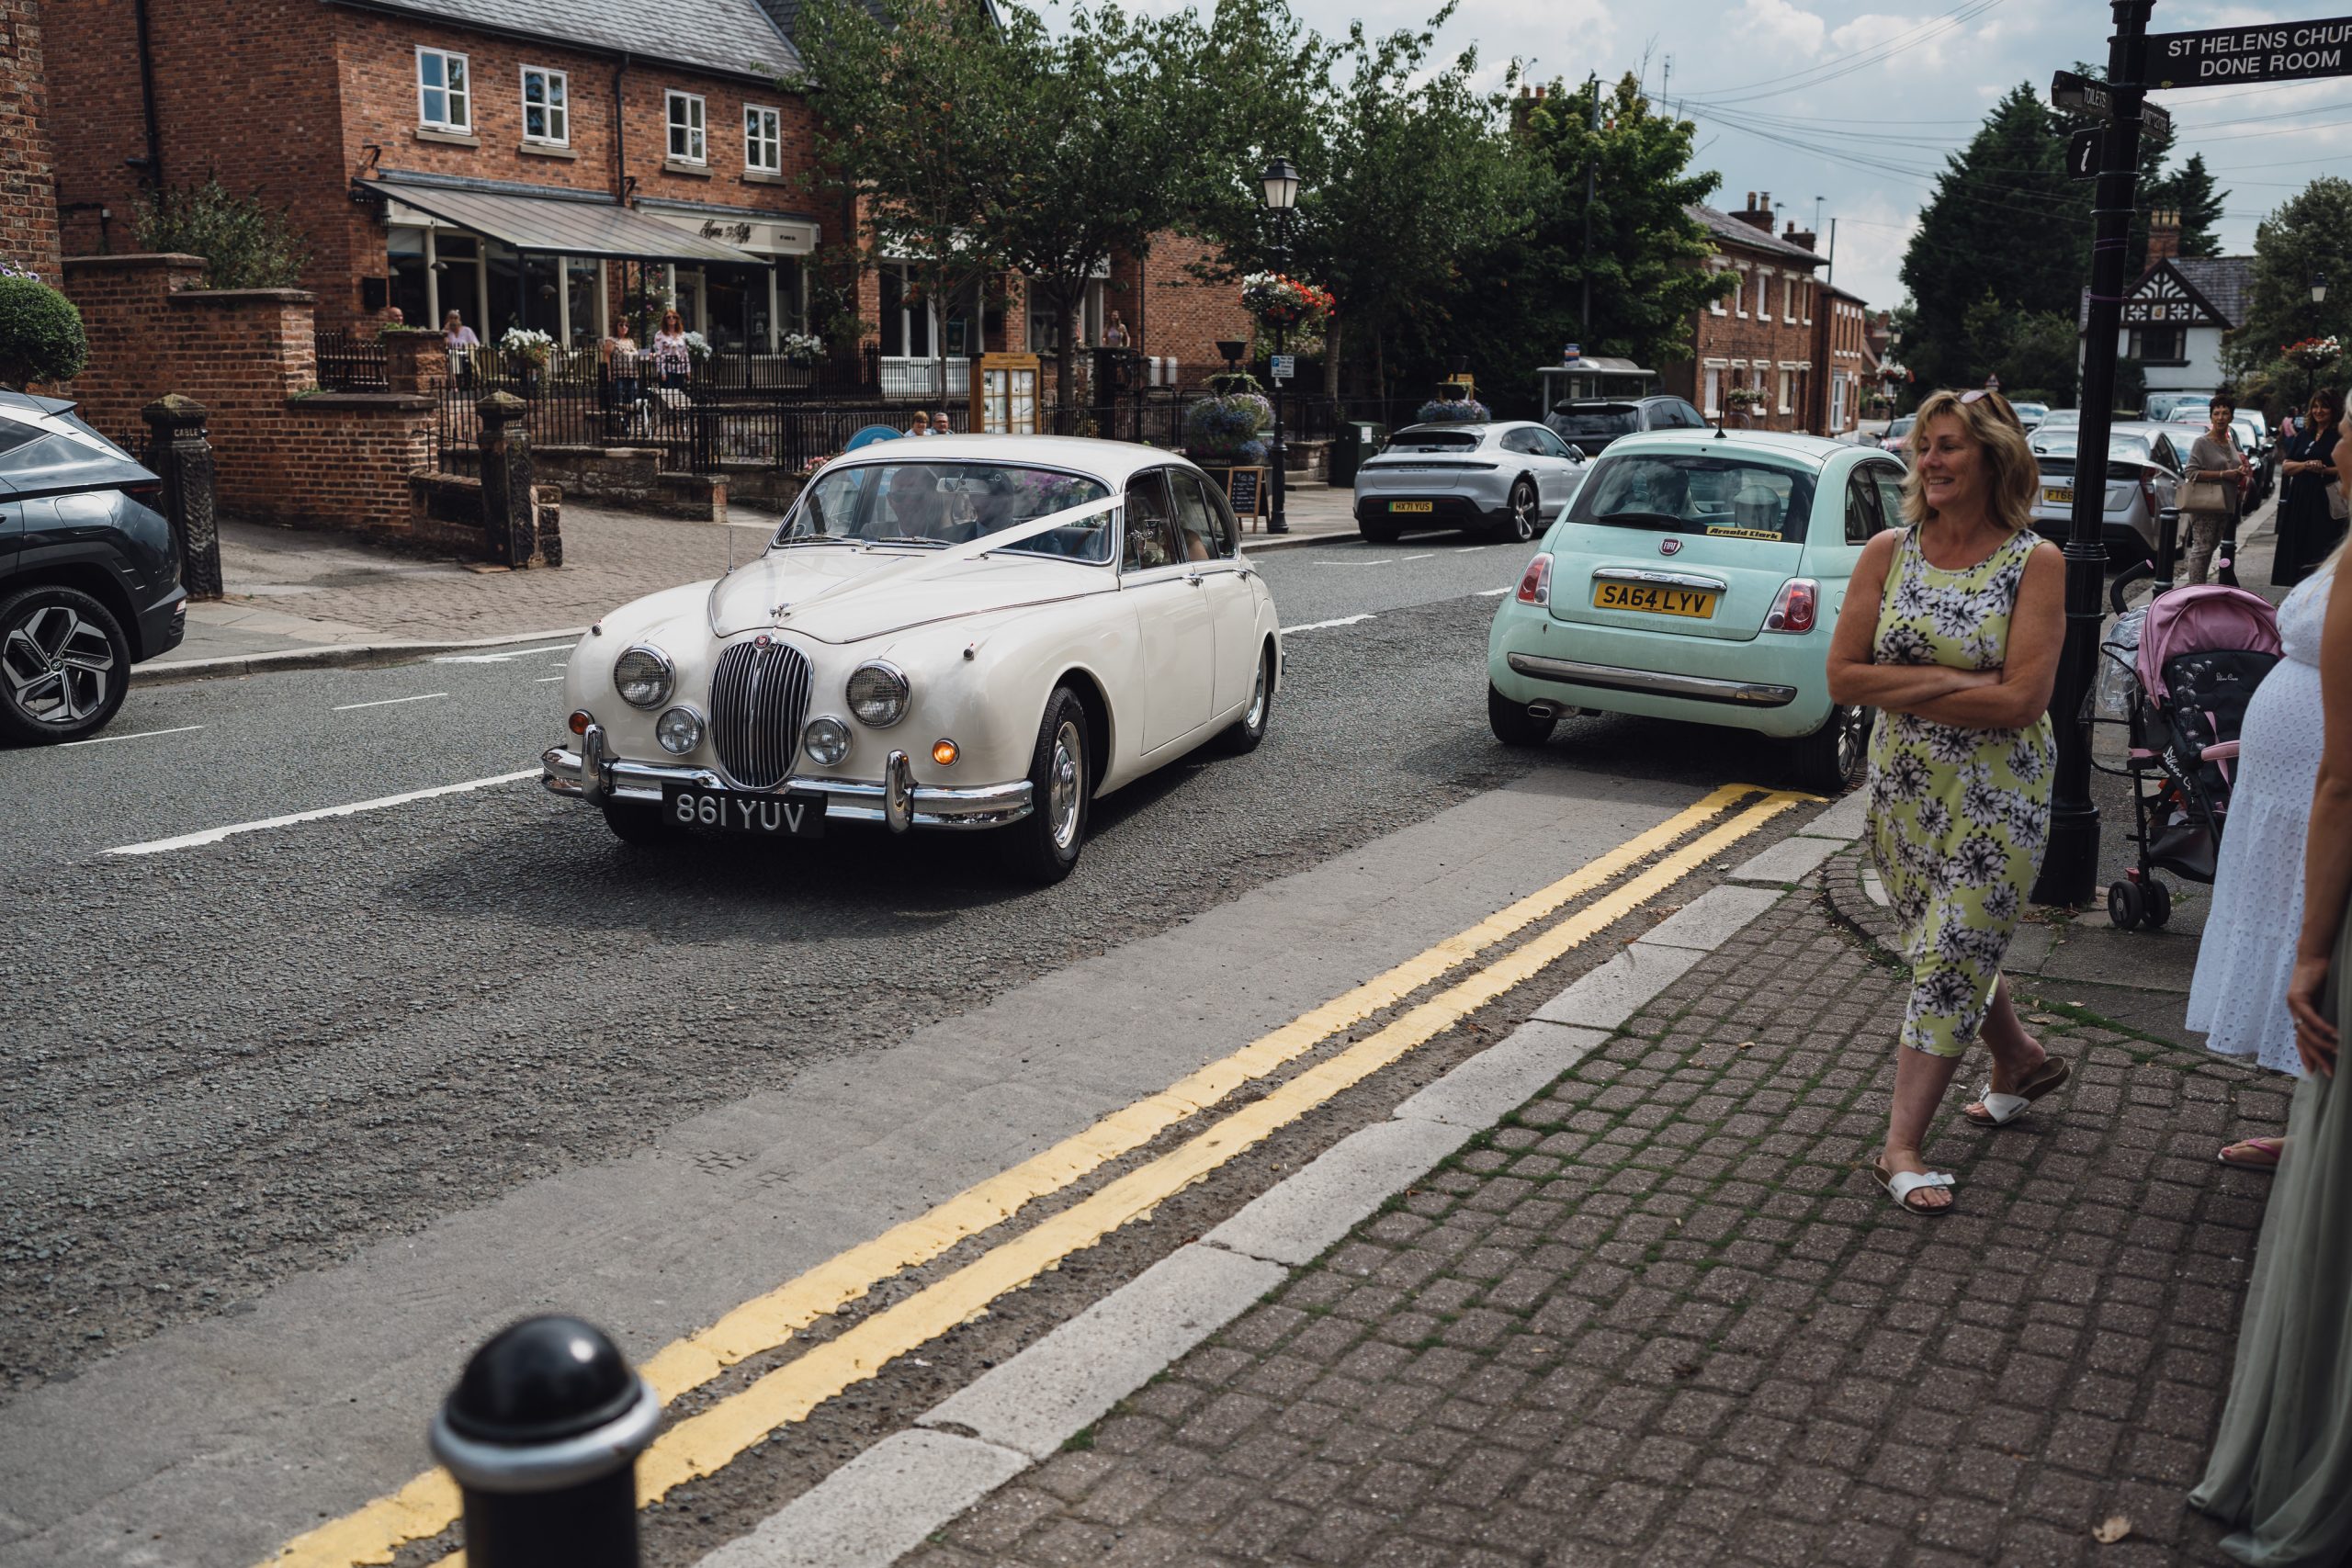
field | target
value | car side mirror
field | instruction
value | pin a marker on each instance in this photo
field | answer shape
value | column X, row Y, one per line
column 1580, row 453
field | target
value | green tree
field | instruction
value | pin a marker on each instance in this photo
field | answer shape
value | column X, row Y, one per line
column 2190, row 190
column 1519, row 300
column 2310, row 235
column 245, row 244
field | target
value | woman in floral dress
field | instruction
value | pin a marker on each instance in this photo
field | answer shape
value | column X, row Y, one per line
column 1952, row 629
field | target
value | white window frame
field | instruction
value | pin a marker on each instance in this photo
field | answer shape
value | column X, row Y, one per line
column 1711, row 391
column 461, row 96
column 1789, row 299
column 1763, row 293
column 763, row 132
column 1739, row 296
column 1718, row 306
column 696, row 125
column 1788, row 387
column 555, row 105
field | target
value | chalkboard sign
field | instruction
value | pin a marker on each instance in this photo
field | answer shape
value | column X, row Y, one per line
column 1246, row 489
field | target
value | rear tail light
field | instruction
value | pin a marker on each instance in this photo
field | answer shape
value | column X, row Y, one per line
column 2148, row 495
column 1795, row 607
column 1535, row 584
column 147, row 492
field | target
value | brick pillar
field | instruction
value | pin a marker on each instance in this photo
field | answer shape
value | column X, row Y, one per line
column 506, row 479
column 183, row 458
column 415, row 362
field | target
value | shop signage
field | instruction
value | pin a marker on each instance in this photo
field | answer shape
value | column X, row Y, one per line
column 2264, row 52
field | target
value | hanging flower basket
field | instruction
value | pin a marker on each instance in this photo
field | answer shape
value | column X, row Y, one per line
column 1457, row 410
column 2314, row 353
column 1278, row 301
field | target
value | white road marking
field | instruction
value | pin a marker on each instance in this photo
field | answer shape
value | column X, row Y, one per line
column 545, row 678
column 1491, row 593
column 1425, row 555
column 1319, row 625
column 388, row 702
column 498, row 658
column 214, row 835
column 141, row 735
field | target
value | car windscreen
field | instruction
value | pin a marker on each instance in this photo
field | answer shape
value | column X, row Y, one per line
column 1435, row 440
column 2121, row 450
column 1902, row 426
column 1736, row 497
column 942, row 503
column 1573, row 419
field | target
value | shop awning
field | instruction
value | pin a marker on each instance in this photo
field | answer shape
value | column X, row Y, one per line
column 552, row 225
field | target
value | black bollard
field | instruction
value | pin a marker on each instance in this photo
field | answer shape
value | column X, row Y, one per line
column 542, row 1432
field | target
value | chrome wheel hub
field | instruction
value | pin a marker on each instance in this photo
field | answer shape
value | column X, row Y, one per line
column 1853, row 740
column 1256, row 718
column 58, row 667
column 1063, row 786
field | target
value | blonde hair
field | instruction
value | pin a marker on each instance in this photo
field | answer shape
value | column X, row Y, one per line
column 2012, row 478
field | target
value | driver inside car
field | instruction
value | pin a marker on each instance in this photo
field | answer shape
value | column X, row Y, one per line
column 918, row 508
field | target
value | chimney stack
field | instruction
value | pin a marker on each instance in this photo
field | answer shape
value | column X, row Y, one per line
column 1797, row 236
column 2163, row 234
column 1756, row 215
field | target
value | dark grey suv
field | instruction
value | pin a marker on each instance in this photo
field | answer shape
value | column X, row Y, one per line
column 89, row 573
column 1591, row 424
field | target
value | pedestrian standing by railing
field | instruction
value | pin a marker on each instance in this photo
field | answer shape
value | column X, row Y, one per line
column 2217, row 479
column 672, row 358
column 622, row 373
column 1952, row 630
column 2311, row 510
column 461, row 343
column 2281, row 1468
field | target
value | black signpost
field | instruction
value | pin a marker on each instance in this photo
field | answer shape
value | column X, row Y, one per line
column 2264, row 52
column 2081, row 152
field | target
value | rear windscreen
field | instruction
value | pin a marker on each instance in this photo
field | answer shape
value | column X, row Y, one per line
column 1734, row 496
column 1612, row 419
column 1435, row 441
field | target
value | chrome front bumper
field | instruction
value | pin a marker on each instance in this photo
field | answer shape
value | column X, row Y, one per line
column 898, row 802
column 1613, row 677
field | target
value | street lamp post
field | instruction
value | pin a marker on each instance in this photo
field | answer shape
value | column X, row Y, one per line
column 1280, row 183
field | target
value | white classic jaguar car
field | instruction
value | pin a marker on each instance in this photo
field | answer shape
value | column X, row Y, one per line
column 969, row 631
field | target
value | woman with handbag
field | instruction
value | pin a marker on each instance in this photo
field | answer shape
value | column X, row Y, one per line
column 2311, row 512
column 2217, row 475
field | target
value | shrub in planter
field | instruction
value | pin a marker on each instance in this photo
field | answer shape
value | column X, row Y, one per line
column 1454, row 411
column 1226, row 426
column 41, row 334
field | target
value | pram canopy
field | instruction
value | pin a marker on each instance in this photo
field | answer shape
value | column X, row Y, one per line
column 2199, row 620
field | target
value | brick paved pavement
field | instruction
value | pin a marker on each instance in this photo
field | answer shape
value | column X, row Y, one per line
column 1660, row 1316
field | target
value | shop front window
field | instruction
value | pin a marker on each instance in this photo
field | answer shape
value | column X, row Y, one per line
column 906, row 318
column 409, row 290
column 583, row 300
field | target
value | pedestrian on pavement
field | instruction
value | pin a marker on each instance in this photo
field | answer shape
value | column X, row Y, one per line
column 2281, row 1466
column 2217, row 481
column 2310, row 524
column 670, row 357
column 1952, row 630
column 622, row 372
column 939, row 424
column 1116, row 335
column 920, row 424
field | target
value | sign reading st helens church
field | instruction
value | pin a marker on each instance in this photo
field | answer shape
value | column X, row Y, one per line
column 2263, row 51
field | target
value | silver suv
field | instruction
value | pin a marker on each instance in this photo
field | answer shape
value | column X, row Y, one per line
column 2143, row 478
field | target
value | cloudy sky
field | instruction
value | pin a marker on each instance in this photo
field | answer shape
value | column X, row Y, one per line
column 1858, row 104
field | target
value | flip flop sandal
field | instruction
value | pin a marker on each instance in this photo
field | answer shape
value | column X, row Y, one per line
column 1900, row 1188
column 2254, row 1154
column 2000, row 1110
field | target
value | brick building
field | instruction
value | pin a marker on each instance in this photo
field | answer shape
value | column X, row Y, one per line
column 524, row 162
column 1844, row 366
column 1763, row 335
column 29, row 236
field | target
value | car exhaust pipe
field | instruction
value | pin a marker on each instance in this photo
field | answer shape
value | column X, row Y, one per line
column 1545, row 710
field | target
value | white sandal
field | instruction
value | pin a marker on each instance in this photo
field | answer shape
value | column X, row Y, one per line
column 2000, row 1110
column 1900, row 1187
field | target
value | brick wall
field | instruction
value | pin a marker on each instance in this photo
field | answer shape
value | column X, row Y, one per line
column 1170, row 313
column 1740, row 344
column 284, row 452
column 28, row 196
column 1838, row 333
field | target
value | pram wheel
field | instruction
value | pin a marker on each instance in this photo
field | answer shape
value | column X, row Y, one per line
column 2125, row 907
column 2157, row 898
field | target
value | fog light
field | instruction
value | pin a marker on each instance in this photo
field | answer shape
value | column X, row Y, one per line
column 944, row 753
column 679, row 731
column 581, row 721
column 826, row 740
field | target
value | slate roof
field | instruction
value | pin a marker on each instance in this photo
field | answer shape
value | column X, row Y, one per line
column 739, row 37
column 1732, row 231
column 2227, row 283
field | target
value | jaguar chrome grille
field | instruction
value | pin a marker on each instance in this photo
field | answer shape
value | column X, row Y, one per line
column 759, row 698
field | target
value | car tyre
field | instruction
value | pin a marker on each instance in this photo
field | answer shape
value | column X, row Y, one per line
column 1378, row 533
column 634, row 822
column 1243, row 734
column 1833, row 759
column 1522, row 520
column 1513, row 724
column 1043, row 847
column 65, row 665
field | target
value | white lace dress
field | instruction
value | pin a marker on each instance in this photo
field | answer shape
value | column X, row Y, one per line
column 2239, row 994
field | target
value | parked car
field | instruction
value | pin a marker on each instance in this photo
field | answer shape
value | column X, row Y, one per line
column 89, row 573
column 2172, row 408
column 1591, row 424
column 983, row 632
column 1503, row 478
column 1896, row 438
column 2057, row 419
column 1698, row 577
column 2030, row 414
column 2249, row 432
column 2143, row 478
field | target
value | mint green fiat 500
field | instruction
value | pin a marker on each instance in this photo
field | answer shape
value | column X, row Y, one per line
column 1697, row 575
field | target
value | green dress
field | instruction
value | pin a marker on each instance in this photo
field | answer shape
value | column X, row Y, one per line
column 1958, row 816
column 2281, row 1470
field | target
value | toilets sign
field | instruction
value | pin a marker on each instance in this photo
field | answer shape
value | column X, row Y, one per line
column 2266, row 51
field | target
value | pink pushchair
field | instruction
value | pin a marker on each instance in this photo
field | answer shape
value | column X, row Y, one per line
column 2201, row 653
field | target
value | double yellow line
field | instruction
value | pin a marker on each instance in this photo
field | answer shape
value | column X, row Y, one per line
column 708, row 1440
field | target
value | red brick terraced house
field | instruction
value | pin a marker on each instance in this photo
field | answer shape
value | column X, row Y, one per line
column 1763, row 335
column 29, row 236
column 1844, row 367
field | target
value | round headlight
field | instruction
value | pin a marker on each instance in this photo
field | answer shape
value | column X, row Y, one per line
column 877, row 694
column 826, row 740
column 643, row 677
column 679, row 731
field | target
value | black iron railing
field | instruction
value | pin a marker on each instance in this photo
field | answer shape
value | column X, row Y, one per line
column 349, row 363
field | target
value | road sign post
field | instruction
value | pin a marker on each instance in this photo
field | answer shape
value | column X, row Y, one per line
column 2070, row 864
